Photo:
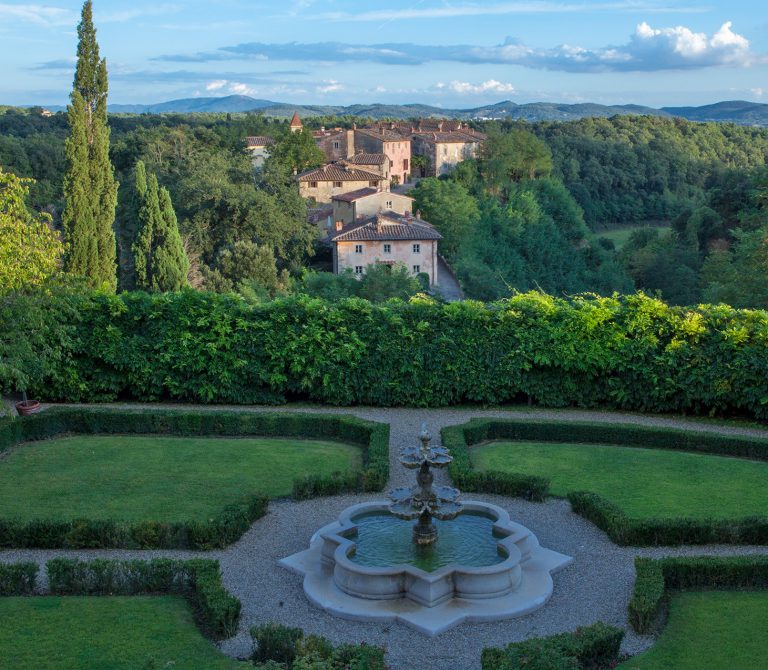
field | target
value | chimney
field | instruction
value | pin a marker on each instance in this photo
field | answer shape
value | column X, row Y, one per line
column 378, row 224
column 440, row 126
column 382, row 130
column 339, row 226
column 322, row 129
column 418, row 214
column 354, row 126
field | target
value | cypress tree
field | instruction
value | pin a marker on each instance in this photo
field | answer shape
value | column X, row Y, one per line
column 159, row 257
column 90, row 189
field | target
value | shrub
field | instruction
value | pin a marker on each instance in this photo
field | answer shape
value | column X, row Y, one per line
column 229, row 524
column 287, row 647
column 17, row 579
column 656, row 577
column 275, row 642
column 627, row 352
column 199, row 581
column 589, row 648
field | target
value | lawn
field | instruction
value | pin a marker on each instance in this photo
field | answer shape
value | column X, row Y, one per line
column 645, row 483
column 83, row 633
column 135, row 478
column 713, row 629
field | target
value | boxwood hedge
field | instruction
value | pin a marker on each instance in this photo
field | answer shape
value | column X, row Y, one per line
column 607, row 516
column 628, row 352
column 234, row 519
column 198, row 580
column 657, row 577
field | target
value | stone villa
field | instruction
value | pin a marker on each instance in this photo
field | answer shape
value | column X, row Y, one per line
column 324, row 182
column 357, row 205
column 387, row 238
column 258, row 147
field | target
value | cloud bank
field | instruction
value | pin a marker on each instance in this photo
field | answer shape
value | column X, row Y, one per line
column 648, row 50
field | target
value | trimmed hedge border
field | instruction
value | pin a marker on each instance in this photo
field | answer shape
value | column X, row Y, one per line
column 607, row 516
column 18, row 579
column 199, row 581
column 234, row 519
column 589, row 648
column 657, row 577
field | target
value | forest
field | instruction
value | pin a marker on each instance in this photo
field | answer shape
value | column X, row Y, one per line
column 534, row 211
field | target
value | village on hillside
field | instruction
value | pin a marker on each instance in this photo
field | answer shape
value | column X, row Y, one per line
column 359, row 196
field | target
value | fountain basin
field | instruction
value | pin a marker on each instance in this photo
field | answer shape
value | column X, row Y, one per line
column 431, row 601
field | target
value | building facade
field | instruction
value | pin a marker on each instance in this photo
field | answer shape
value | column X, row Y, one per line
column 258, row 147
column 386, row 239
column 362, row 204
column 336, row 178
column 443, row 151
column 337, row 143
column 396, row 147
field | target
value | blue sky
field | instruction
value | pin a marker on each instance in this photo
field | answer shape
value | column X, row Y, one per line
column 453, row 53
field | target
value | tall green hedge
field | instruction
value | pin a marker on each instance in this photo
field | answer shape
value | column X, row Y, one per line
column 229, row 524
column 17, row 579
column 607, row 516
column 630, row 352
column 198, row 580
column 656, row 577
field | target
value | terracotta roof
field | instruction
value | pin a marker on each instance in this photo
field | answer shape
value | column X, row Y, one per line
column 367, row 159
column 338, row 172
column 384, row 134
column 455, row 137
column 387, row 226
column 259, row 141
column 356, row 195
column 296, row 121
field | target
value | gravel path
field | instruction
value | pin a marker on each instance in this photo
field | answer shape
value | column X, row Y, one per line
column 595, row 587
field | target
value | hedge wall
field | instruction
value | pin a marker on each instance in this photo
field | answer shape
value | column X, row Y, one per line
column 590, row 648
column 655, row 578
column 234, row 519
column 199, row 581
column 629, row 352
column 17, row 579
column 604, row 514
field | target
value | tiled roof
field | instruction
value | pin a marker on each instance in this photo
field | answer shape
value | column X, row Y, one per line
column 384, row 134
column 455, row 137
column 367, row 159
column 338, row 172
column 259, row 141
column 387, row 226
column 356, row 195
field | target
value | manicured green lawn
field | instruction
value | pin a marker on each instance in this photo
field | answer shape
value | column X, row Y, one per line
column 643, row 482
column 118, row 633
column 134, row 478
column 715, row 629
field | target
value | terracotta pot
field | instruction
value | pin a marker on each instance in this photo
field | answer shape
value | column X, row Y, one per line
column 27, row 407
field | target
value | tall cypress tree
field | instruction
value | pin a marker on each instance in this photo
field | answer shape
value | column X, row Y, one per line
column 90, row 189
column 159, row 257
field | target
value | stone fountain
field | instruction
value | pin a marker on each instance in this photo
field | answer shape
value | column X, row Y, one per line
column 423, row 502
column 369, row 565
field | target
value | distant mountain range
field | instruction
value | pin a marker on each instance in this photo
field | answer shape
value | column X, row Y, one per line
column 738, row 111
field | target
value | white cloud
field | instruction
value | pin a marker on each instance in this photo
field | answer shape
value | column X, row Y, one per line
column 216, row 85
column 40, row 14
column 238, row 88
column 505, row 8
column 490, row 86
column 758, row 92
column 330, row 86
column 648, row 49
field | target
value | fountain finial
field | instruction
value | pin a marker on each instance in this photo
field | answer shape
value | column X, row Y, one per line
column 423, row 501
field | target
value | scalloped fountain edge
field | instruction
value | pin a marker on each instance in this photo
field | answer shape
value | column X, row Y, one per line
column 431, row 602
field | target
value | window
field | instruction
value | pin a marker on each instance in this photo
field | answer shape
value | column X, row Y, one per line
column 387, row 248
column 391, row 164
column 416, row 269
column 358, row 248
column 337, row 184
column 313, row 184
column 358, row 269
column 417, row 248
column 335, row 145
column 373, row 184
column 389, row 204
column 405, row 163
